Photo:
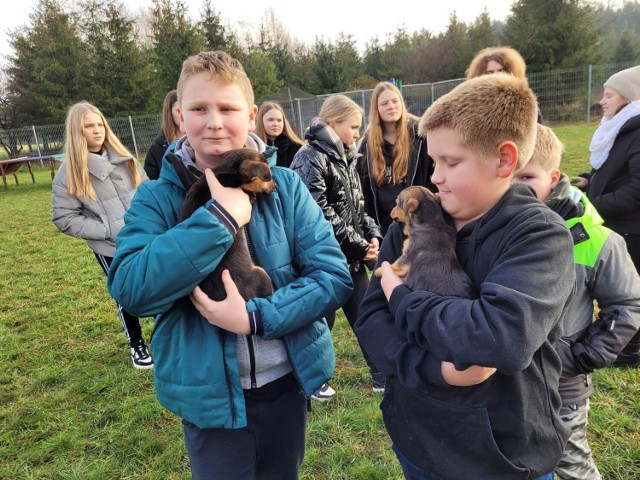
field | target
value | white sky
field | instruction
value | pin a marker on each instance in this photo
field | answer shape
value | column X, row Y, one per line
column 306, row 21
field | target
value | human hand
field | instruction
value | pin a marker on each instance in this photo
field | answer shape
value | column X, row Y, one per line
column 229, row 314
column 372, row 251
column 234, row 200
column 473, row 375
column 388, row 280
column 579, row 182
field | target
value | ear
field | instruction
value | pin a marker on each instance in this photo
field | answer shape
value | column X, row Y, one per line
column 411, row 205
column 555, row 178
column 182, row 129
column 437, row 198
column 253, row 112
column 508, row 153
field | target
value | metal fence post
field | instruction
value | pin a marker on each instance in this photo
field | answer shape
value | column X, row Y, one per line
column 35, row 136
column 300, row 117
column 133, row 135
column 433, row 94
column 589, row 86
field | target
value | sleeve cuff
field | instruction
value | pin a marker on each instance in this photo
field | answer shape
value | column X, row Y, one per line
column 221, row 214
column 255, row 323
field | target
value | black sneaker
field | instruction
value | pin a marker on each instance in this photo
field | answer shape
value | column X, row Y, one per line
column 140, row 356
column 324, row 393
column 378, row 382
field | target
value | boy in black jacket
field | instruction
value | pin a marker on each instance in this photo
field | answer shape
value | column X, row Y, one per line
column 519, row 256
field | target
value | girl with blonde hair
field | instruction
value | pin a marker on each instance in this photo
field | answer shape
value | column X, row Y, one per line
column 326, row 165
column 393, row 155
column 90, row 195
column 274, row 129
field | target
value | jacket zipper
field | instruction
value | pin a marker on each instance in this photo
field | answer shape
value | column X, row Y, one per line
column 234, row 415
column 252, row 354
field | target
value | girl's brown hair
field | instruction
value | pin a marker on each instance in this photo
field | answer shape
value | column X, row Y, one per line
column 510, row 59
column 375, row 140
column 168, row 126
column 76, row 152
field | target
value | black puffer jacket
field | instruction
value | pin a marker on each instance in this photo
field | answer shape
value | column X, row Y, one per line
column 153, row 160
column 325, row 166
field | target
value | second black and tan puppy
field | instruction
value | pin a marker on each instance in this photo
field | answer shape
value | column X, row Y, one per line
column 428, row 261
column 249, row 170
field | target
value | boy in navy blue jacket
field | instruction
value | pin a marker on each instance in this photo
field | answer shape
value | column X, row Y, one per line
column 519, row 256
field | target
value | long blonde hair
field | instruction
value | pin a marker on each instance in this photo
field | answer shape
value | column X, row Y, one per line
column 287, row 131
column 375, row 139
column 76, row 152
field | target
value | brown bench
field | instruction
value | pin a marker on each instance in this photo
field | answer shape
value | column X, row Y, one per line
column 11, row 167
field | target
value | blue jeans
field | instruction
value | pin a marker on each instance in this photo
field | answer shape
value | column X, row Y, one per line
column 411, row 472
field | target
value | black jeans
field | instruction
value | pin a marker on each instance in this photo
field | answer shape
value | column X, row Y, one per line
column 270, row 447
column 130, row 323
column 360, row 284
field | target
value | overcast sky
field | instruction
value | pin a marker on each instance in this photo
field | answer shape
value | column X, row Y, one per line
column 305, row 20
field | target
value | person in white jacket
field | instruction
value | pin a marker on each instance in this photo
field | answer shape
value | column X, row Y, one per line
column 91, row 193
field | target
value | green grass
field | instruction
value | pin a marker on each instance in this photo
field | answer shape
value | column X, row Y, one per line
column 72, row 406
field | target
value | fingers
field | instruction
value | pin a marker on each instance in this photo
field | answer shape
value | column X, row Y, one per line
column 229, row 285
column 212, row 180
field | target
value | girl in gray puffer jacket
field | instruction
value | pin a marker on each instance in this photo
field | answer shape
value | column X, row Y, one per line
column 91, row 193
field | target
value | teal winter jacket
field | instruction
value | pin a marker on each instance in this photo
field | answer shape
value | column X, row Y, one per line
column 159, row 262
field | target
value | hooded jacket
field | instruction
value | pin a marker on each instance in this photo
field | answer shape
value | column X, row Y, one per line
column 159, row 262
column 604, row 273
column 519, row 258
column 614, row 189
column 325, row 166
column 379, row 200
column 96, row 221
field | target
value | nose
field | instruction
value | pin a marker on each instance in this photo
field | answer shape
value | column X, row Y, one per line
column 214, row 122
column 436, row 177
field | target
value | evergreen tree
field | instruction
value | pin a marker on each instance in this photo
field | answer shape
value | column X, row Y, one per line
column 48, row 70
column 262, row 73
column 552, row 34
column 117, row 69
column 175, row 37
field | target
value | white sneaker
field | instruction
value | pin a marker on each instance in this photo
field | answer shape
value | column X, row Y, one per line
column 324, row 393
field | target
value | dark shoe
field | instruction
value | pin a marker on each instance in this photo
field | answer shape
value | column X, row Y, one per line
column 140, row 356
column 324, row 393
column 378, row 382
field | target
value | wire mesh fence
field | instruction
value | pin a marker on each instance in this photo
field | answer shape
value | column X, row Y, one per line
column 564, row 96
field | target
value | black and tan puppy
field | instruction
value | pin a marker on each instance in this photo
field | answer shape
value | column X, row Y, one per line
column 428, row 261
column 249, row 170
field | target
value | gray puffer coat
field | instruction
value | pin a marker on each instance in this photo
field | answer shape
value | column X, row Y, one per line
column 96, row 221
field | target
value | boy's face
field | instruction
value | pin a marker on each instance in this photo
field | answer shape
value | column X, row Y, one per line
column 469, row 183
column 215, row 117
column 538, row 178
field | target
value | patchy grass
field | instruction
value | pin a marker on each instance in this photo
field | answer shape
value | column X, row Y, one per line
column 72, row 406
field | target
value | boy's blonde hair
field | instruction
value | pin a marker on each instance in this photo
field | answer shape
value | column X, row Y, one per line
column 375, row 140
column 486, row 111
column 76, row 152
column 548, row 149
column 338, row 108
column 222, row 67
column 510, row 59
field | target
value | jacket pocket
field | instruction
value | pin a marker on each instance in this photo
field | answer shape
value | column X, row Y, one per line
column 445, row 441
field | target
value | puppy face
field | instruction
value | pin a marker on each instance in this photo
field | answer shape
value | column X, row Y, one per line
column 416, row 203
column 247, row 169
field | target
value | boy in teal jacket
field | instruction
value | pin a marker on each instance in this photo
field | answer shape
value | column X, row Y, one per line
column 604, row 273
column 238, row 373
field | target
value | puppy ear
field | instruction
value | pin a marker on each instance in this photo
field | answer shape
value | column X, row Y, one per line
column 411, row 205
column 437, row 198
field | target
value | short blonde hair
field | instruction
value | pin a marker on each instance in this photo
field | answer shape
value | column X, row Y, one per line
column 338, row 108
column 510, row 59
column 486, row 111
column 222, row 67
column 548, row 149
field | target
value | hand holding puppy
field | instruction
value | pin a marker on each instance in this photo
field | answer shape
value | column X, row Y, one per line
column 234, row 200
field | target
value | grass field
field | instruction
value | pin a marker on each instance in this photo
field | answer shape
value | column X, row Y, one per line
column 72, row 406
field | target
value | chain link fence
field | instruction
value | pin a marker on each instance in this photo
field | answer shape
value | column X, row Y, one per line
column 564, row 96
